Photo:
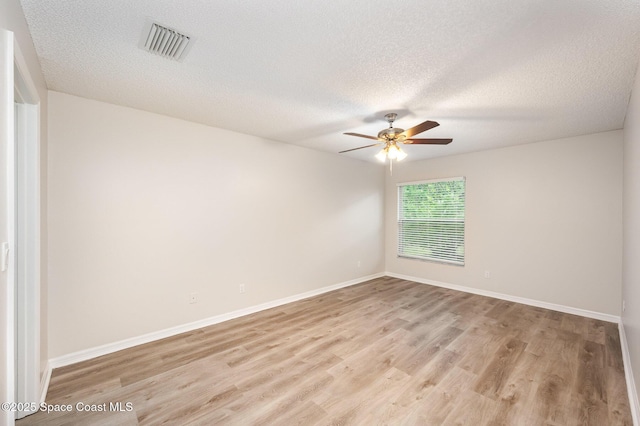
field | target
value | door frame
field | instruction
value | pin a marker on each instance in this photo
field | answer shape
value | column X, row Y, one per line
column 7, row 281
column 27, row 225
column 21, row 156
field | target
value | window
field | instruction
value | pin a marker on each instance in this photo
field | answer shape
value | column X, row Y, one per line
column 431, row 220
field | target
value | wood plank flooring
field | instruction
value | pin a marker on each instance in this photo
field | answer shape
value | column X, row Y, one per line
column 387, row 351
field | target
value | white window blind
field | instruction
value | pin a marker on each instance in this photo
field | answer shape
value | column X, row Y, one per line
column 431, row 220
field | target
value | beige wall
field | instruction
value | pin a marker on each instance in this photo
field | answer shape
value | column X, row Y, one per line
column 631, row 259
column 145, row 209
column 12, row 19
column 544, row 218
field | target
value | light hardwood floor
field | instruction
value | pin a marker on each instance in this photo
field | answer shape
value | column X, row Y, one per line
column 387, row 351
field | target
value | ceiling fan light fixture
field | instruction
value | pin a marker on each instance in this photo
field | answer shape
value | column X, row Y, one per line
column 382, row 155
column 393, row 152
column 401, row 155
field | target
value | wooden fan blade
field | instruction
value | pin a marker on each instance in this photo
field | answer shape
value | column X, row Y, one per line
column 428, row 141
column 422, row 127
column 362, row 136
column 366, row 146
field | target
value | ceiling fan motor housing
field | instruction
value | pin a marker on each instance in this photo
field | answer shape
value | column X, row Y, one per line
column 392, row 133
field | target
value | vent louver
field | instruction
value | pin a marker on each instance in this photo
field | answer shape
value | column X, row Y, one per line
column 166, row 42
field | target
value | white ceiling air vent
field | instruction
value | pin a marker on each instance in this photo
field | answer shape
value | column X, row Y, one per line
column 165, row 42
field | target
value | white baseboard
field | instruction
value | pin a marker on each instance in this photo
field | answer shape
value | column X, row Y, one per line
column 87, row 354
column 517, row 299
column 628, row 373
column 44, row 382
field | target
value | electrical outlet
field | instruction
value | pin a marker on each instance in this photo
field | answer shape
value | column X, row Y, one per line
column 487, row 274
column 193, row 298
column 242, row 288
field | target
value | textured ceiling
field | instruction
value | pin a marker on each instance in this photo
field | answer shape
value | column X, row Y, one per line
column 493, row 73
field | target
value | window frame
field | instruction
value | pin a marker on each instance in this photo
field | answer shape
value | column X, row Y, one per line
column 400, row 220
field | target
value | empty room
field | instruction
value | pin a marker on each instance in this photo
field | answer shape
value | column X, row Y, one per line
column 320, row 213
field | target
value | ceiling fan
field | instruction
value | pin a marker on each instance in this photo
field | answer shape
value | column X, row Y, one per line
column 393, row 136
